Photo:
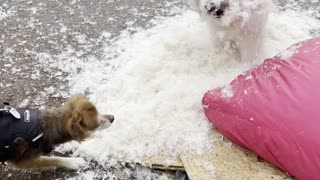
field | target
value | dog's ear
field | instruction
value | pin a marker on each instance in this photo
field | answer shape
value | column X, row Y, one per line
column 77, row 132
column 75, row 128
column 20, row 146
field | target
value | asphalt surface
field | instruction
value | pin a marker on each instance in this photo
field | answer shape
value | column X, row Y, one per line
column 31, row 27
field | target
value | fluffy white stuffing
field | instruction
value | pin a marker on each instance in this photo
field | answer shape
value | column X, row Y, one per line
column 242, row 23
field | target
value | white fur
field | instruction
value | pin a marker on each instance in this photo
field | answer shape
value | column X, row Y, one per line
column 243, row 23
column 71, row 163
column 44, row 162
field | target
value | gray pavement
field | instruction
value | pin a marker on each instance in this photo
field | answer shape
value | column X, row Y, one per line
column 30, row 27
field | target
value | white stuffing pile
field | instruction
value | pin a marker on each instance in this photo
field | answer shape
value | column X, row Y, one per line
column 153, row 82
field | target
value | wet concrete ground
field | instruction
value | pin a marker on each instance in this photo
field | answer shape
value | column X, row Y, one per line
column 32, row 27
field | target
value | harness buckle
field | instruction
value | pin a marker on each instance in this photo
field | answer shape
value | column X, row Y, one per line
column 15, row 113
column 26, row 116
column 12, row 111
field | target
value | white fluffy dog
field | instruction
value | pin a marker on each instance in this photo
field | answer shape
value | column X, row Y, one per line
column 239, row 21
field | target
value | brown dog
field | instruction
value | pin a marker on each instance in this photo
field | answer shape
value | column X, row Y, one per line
column 75, row 120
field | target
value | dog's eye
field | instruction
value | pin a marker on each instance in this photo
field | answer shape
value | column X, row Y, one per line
column 210, row 7
column 91, row 109
column 219, row 13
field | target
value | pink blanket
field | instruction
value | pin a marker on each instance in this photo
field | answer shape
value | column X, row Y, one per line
column 274, row 110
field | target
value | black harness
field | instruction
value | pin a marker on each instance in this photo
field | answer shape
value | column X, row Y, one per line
column 16, row 123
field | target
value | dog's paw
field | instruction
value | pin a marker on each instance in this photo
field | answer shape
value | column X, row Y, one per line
column 74, row 163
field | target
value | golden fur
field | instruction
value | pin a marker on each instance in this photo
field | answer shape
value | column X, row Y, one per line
column 76, row 120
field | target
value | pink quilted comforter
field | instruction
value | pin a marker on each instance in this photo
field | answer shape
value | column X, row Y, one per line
column 274, row 110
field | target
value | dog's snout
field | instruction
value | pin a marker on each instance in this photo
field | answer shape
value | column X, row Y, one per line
column 106, row 119
column 111, row 118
